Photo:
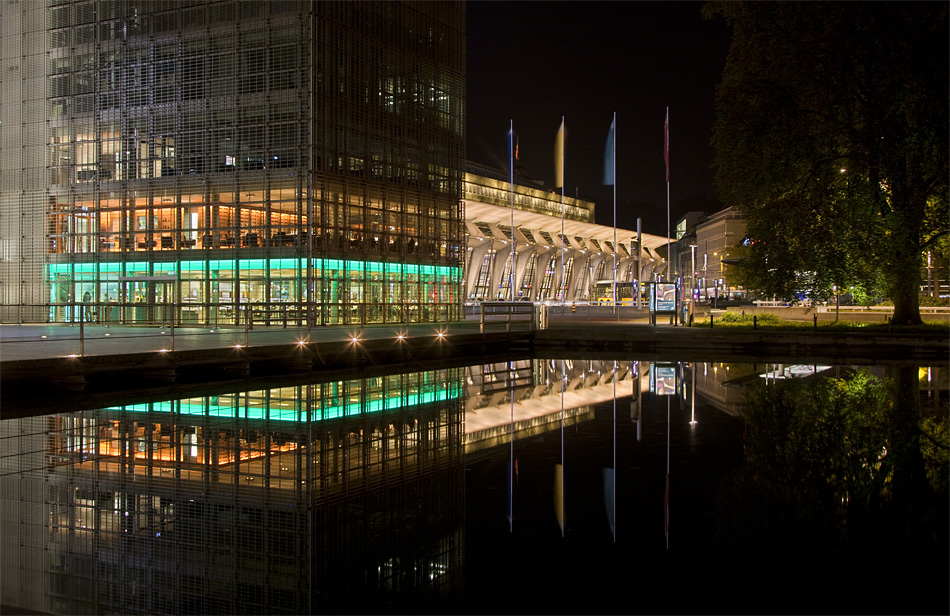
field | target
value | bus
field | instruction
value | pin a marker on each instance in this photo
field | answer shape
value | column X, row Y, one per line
column 603, row 292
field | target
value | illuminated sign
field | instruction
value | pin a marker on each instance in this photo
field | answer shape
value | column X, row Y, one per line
column 663, row 297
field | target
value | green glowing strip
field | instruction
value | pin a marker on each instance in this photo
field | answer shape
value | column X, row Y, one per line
column 278, row 414
column 216, row 265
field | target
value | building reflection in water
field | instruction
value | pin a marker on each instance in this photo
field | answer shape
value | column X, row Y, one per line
column 340, row 496
column 344, row 496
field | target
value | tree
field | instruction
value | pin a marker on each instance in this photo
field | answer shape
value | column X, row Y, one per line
column 831, row 137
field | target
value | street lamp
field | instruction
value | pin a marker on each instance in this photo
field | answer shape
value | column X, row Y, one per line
column 692, row 277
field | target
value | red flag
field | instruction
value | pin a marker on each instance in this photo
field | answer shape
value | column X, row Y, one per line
column 666, row 143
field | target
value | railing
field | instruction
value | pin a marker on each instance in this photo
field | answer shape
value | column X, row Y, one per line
column 194, row 314
column 509, row 313
column 881, row 309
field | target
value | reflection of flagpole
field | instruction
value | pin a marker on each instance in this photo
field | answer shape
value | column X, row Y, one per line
column 562, row 519
column 613, row 501
column 692, row 418
column 511, row 463
column 666, row 494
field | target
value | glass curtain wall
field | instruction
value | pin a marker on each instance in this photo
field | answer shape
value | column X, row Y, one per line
column 225, row 160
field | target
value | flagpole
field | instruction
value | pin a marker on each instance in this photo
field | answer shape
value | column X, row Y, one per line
column 563, row 282
column 511, row 170
column 511, row 278
column 613, row 176
column 669, row 256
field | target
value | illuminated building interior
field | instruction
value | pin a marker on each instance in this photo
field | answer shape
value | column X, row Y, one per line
column 202, row 156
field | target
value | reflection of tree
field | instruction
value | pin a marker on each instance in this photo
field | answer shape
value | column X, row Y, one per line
column 832, row 502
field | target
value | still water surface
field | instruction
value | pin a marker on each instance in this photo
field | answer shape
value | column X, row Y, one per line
column 534, row 486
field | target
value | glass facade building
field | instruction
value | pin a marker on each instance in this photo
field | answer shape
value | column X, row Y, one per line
column 204, row 158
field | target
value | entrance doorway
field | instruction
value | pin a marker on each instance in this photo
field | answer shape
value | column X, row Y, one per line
column 147, row 300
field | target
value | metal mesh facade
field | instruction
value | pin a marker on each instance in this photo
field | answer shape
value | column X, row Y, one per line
column 215, row 156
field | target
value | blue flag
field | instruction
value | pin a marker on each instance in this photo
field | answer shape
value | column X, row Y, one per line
column 609, row 155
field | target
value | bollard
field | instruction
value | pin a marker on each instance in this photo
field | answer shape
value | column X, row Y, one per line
column 171, row 327
column 816, row 321
column 755, row 324
column 711, row 317
column 82, row 312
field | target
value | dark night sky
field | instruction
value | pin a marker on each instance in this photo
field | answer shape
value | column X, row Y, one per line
column 532, row 62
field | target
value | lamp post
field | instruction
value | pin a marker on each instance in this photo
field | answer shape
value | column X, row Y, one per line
column 692, row 276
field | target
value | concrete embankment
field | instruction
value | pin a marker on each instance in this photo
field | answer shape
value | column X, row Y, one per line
column 691, row 343
column 34, row 381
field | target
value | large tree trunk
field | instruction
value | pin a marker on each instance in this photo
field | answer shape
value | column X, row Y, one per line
column 904, row 241
column 906, row 293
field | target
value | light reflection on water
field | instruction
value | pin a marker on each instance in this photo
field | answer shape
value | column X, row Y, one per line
column 526, row 486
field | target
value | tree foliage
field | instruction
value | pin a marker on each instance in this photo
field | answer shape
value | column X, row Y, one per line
column 831, row 137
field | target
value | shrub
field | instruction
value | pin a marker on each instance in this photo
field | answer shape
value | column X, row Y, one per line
column 731, row 317
column 766, row 318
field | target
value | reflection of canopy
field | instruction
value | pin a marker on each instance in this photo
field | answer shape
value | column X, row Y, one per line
column 489, row 425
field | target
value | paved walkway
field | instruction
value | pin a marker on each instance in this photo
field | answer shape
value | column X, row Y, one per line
column 30, row 342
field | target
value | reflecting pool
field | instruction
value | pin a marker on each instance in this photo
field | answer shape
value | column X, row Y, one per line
column 530, row 486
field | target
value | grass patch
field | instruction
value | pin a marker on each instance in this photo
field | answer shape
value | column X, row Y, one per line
column 769, row 321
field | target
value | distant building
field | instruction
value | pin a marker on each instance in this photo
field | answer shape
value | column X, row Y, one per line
column 540, row 272
column 715, row 239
